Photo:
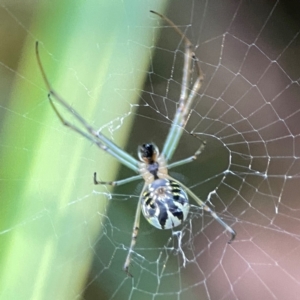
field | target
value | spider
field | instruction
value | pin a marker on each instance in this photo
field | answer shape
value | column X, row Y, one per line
column 163, row 200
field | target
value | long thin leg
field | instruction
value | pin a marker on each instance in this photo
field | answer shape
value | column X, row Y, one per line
column 115, row 151
column 93, row 139
column 207, row 208
column 135, row 232
column 118, row 182
column 180, row 120
column 185, row 100
column 188, row 159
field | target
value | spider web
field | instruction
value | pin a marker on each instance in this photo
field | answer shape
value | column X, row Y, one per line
column 247, row 111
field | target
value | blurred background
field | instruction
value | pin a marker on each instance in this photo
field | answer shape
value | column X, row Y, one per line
column 120, row 67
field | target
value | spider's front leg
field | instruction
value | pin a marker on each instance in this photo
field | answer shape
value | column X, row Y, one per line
column 187, row 94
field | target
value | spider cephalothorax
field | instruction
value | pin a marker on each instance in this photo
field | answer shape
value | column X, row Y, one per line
column 163, row 200
column 148, row 153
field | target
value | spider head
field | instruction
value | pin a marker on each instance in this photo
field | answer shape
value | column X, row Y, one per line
column 148, row 153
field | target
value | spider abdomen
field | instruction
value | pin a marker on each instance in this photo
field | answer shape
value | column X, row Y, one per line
column 165, row 204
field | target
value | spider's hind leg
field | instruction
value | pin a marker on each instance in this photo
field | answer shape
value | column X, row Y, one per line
column 208, row 209
column 135, row 232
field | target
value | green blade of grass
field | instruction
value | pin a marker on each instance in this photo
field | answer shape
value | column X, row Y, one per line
column 96, row 55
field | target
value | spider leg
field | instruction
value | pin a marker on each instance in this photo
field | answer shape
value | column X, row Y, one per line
column 180, row 120
column 135, row 232
column 118, row 182
column 185, row 100
column 102, row 141
column 188, row 159
column 90, row 138
column 208, row 209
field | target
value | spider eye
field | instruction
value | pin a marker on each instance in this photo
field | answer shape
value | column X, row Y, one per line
column 148, row 152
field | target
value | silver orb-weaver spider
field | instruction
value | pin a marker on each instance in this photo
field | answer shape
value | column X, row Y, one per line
column 163, row 200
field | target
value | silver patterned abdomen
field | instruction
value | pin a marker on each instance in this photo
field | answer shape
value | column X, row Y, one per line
column 165, row 204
